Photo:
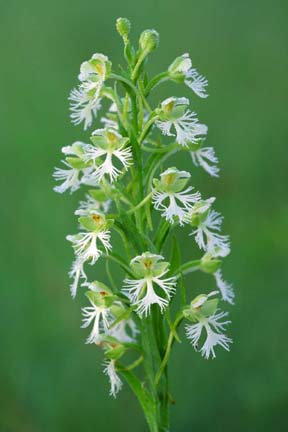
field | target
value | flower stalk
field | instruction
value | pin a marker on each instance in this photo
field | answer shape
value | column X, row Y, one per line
column 130, row 192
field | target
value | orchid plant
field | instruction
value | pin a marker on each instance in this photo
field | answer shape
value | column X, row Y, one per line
column 133, row 194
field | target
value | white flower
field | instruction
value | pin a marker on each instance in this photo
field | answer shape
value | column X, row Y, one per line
column 174, row 113
column 91, row 206
column 110, row 144
column 169, row 197
column 85, row 100
column 77, row 272
column 209, row 240
column 115, row 381
column 96, row 69
column 83, row 106
column 225, row 288
column 141, row 291
column 181, row 68
column 85, row 243
column 205, row 157
column 101, row 318
column 197, row 83
column 70, row 178
column 214, row 336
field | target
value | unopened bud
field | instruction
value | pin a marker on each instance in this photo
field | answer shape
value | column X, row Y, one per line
column 123, row 27
column 149, row 40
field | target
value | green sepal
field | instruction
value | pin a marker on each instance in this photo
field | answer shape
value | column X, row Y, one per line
column 160, row 268
column 100, row 299
column 209, row 307
column 98, row 286
column 113, row 348
column 76, row 163
column 88, row 223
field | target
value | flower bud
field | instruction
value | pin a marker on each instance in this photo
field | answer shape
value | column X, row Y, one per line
column 149, row 40
column 123, row 27
column 179, row 68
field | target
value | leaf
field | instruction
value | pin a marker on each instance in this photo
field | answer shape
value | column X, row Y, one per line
column 143, row 397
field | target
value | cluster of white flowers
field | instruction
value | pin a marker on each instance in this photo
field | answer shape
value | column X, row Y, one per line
column 122, row 181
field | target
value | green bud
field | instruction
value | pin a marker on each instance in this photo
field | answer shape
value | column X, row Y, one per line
column 178, row 69
column 123, row 27
column 149, row 40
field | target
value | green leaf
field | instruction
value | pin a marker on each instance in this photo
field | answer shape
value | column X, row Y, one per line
column 144, row 398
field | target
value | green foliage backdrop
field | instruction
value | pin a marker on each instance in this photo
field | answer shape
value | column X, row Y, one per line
column 49, row 379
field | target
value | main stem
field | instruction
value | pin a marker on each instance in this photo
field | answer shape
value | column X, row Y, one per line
column 154, row 339
column 151, row 337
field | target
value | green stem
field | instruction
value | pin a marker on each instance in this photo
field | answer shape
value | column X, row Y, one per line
column 158, row 79
column 188, row 267
column 138, row 65
column 145, row 102
column 146, row 128
column 134, row 364
column 138, row 206
column 156, row 165
column 168, row 349
column 121, row 262
column 125, row 81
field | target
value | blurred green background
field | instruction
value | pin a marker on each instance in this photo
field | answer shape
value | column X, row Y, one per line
column 49, row 379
